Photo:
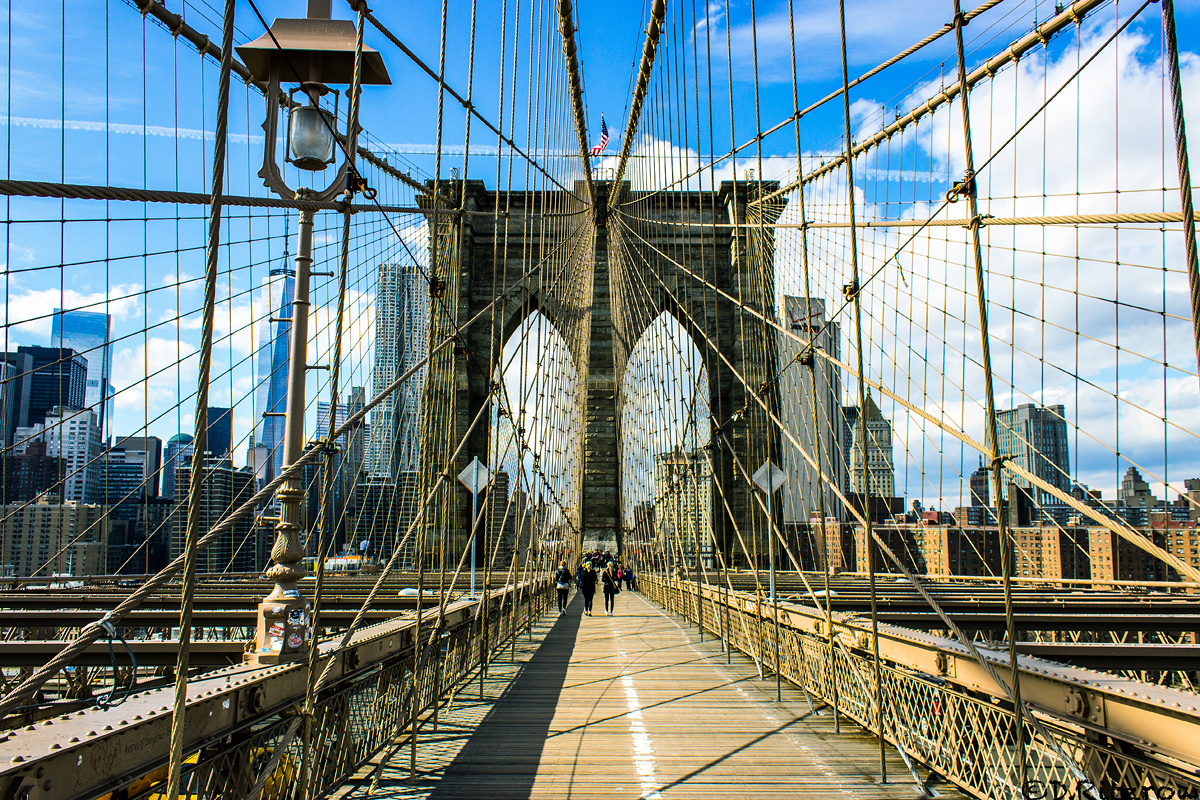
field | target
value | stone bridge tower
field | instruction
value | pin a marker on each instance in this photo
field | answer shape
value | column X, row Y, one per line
column 511, row 254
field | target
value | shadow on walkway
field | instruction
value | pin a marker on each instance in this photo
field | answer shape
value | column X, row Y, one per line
column 501, row 758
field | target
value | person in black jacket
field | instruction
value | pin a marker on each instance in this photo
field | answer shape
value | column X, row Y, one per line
column 612, row 585
column 587, row 585
column 562, row 582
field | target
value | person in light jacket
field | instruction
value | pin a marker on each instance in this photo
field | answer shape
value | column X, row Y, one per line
column 611, row 578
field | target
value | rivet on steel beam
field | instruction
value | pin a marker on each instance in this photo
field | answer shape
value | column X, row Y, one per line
column 73, row 740
column 56, row 746
column 18, row 759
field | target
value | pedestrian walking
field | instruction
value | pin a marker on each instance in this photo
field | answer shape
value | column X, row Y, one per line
column 612, row 587
column 629, row 579
column 587, row 585
column 562, row 582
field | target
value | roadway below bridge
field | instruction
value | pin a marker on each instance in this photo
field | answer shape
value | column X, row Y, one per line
column 636, row 706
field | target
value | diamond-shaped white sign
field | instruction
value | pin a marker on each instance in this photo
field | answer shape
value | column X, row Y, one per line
column 476, row 476
column 770, row 478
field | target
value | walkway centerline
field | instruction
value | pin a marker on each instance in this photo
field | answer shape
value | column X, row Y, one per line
column 633, row 706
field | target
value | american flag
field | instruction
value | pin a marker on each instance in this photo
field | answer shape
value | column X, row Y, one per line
column 599, row 148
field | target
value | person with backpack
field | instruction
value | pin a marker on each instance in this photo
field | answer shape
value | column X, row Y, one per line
column 586, row 578
column 562, row 582
column 612, row 587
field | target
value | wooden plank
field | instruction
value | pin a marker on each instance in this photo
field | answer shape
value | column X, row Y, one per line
column 634, row 705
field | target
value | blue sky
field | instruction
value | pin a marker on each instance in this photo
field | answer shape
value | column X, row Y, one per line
column 97, row 95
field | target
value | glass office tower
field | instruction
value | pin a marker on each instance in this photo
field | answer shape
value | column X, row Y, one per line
column 89, row 333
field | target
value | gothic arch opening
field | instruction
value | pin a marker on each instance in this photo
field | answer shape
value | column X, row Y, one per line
column 667, row 491
column 536, row 440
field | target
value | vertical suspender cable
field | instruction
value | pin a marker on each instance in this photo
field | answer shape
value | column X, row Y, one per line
column 997, row 469
column 1171, row 48
column 196, row 476
column 865, row 494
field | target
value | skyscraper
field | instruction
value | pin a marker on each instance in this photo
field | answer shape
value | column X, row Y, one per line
column 356, row 437
column 801, row 497
column 980, row 480
column 16, row 378
column 23, row 477
column 89, row 333
column 350, row 455
column 880, row 472
column 219, row 437
column 683, row 498
column 147, row 451
column 1035, row 438
column 354, row 403
column 179, row 450
column 222, row 490
column 53, row 538
column 58, row 378
column 123, row 484
column 272, row 377
column 401, row 335
column 73, row 435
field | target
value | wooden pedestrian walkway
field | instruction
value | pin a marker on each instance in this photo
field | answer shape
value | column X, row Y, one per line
column 633, row 706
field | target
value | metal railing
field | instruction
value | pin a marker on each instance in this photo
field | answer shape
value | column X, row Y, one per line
column 1113, row 737
column 245, row 725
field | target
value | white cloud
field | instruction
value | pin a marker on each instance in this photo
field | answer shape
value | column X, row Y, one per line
column 1070, row 309
column 874, row 31
column 28, row 313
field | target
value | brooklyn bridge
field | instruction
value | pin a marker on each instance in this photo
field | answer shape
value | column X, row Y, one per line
column 349, row 354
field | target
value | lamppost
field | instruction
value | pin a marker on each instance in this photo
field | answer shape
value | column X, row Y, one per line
column 305, row 55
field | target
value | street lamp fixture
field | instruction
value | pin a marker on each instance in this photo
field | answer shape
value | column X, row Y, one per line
column 307, row 55
column 311, row 127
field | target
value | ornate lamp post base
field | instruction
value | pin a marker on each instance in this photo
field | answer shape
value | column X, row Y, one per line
column 283, row 630
column 284, row 617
